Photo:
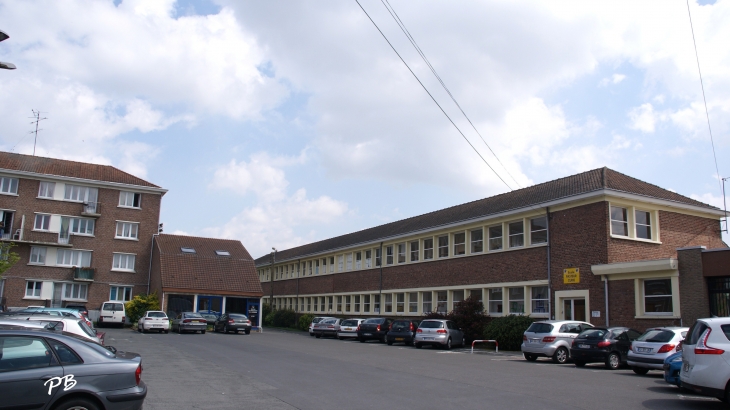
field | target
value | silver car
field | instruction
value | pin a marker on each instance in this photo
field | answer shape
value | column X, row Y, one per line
column 316, row 320
column 439, row 333
column 189, row 322
column 551, row 338
column 348, row 328
column 327, row 327
column 650, row 349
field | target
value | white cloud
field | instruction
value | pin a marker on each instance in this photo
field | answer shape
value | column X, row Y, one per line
column 643, row 118
column 257, row 176
column 708, row 198
column 614, row 79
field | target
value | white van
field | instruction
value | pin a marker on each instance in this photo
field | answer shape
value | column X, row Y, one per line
column 112, row 313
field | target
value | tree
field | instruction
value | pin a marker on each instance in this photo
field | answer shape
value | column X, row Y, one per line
column 136, row 307
column 7, row 258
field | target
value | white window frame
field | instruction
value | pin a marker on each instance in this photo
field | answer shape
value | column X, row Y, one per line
column 9, row 186
column 124, row 229
column 642, row 283
column 45, row 222
column 87, row 221
column 73, row 291
column 124, row 199
column 77, row 257
column 401, row 253
column 414, row 254
column 368, row 259
column 625, row 222
column 79, row 193
column 39, row 254
column 340, row 263
column 493, row 239
column 426, row 302
column 533, row 300
column 650, row 226
column 461, row 244
column 425, row 249
column 445, row 246
column 389, row 256
column 511, row 300
column 121, row 261
column 332, row 264
column 121, row 289
column 358, row 260
column 37, row 287
column 493, row 301
column 479, row 242
column 349, row 261
column 521, row 234
column 533, row 231
column 46, row 189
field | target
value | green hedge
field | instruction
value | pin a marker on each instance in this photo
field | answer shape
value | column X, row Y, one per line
column 508, row 330
column 140, row 304
column 305, row 321
column 281, row 318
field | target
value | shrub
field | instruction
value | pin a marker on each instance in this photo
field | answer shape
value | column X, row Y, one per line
column 508, row 330
column 305, row 321
column 136, row 307
column 282, row 318
column 469, row 317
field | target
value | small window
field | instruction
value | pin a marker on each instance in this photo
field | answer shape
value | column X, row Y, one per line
column 458, row 296
column 428, row 249
column 349, row 261
column 443, row 246
column 316, row 267
column 348, row 299
column 45, row 190
column 187, row 250
column 441, row 301
column 366, row 303
column 33, row 289
column 538, row 230
column 495, row 301
column 129, row 199
column 42, row 222
column 123, row 261
column 389, row 255
column 376, row 303
column 378, row 257
column 82, row 226
column 358, row 260
column 120, row 293
column 495, row 238
column 340, row 263
column 516, row 300
column 516, row 234
column 413, row 302
column 400, row 302
column 477, row 237
column 459, row 243
column 619, row 221
column 38, row 255
column 388, row 302
column 339, row 303
column 643, row 224
column 9, row 185
column 368, row 259
column 130, row 230
column 332, row 265
column 477, row 294
column 539, row 299
column 414, row 251
column 658, row 297
column 75, row 291
column 401, row 253
column 356, row 303
column 69, row 257
column 427, row 302
column 222, row 253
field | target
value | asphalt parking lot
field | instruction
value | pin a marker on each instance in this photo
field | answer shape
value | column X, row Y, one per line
column 285, row 370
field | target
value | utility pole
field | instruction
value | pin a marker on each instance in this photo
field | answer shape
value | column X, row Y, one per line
column 37, row 119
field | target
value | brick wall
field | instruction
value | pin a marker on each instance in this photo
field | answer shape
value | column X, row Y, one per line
column 622, row 308
column 694, row 298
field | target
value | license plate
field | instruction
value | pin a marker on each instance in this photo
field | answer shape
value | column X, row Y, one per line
column 348, row 328
column 427, row 338
column 584, row 346
column 534, row 340
column 643, row 350
column 367, row 334
column 398, row 339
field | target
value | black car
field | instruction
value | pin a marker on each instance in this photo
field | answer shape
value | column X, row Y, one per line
column 599, row 344
column 374, row 328
column 210, row 318
column 232, row 322
column 402, row 331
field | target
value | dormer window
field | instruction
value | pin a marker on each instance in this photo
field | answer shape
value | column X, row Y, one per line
column 187, row 250
column 221, row 253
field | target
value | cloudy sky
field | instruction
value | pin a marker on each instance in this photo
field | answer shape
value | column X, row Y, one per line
column 282, row 123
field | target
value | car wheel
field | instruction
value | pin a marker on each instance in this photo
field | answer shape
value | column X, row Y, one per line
column 579, row 363
column 361, row 339
column 613, row 361
column 390, row 343
column 561, row 355
column 144, row 330
column 139, row 329
column 448, row 344
column 640, row 370
column 165, row 331
column 317, row 335
column 79, row 403
column 418, row 345
column 530, row 357
column 248, row 332
column 727, row 395
column 311, row 334
column 225, row 329
column 202, row 332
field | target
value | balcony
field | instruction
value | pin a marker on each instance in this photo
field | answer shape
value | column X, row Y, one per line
column 85, row 274
column 92, row 209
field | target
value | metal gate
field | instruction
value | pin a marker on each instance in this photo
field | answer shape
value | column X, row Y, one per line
column 719, row 290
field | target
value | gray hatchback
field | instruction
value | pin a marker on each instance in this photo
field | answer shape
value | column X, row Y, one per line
column 551, row 338
column 438, row 333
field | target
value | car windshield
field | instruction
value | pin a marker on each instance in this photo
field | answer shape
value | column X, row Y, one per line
column 376, row 321
column 593, row 334
column 540, row 328
column 349, row 323
column 192, row 315
column 431, row 325
column 156, row 314
column 113, row 306
column 656, row 336
column 239, row 317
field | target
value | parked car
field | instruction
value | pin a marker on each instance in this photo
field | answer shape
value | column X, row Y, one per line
column 61, row 312
column 402, row 331
column 314, row 322
column 210, row 318
column 374, row 328
column 232, row 322
column 112, row 313
column 72, row 325
column 706, row 358
column 153, row 320
column 30, row 358
column 438, row 333
column 327, row 327
column 348, row 328
column 81, row 308
column 650, row 349
column 608, row 345
column 189, row 322
column 551, row 338
column 672, row 367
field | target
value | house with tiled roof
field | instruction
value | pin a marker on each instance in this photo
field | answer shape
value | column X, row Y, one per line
column 193, row 274
column 83, row 232
column 599, row 246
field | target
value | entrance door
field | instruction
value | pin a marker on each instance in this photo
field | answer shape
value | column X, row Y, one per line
column 574, row 309
column 57, row 290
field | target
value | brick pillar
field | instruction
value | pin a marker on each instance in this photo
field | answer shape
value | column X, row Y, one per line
column 693, row 296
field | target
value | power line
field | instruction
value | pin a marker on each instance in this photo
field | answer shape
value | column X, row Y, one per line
column 430, row 95
column 702, row 85
column 407, row 33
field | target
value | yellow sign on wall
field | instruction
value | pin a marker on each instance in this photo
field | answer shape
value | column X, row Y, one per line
column 571, row 275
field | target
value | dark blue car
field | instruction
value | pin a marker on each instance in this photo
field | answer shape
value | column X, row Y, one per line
column 672, row 366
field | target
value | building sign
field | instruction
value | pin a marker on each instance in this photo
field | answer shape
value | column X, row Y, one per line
column 571, row 275
column 596, row 313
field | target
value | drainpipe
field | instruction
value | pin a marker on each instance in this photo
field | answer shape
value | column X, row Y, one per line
column 605, row 295
column 149, row 272
column 549, row 268
column 380, row 296
column 22, row 227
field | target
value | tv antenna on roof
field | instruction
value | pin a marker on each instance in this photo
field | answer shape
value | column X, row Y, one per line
column 37, row 117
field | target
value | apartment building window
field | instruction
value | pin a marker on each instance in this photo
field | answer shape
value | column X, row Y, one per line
column 332, row 264
column 516, row 234
column 460, row 243
column 477, row 240
column 495, row 238
column 378, row 257
column 643, row 224
column 376, row 303
column 347, row 303
column 414, row 251
column 82, row 226
column 401, row 253
column 458, row 296
column 426, row 303
column 70, row 257
column 443, row 246
column 120, row 293
column 339, row 303
column 658, row 297
column 388, row 302
column 441, row 301
column 539, row 299
column 349, row 261
column 123, row 261
column 38, row 255
column 366, row 303
column 400, row 302
column 477, row 294
column 45, row 190
column 516, row 300
column 495, row 301
column 538, row 230
column 619, row 221
column 340, row 263
column 413, row 302
column 356, row 303
column 129, row 199
column 368, row 259
column 316, row 267
column 428, row 249
column 127, row 230
column 33, row 289
column 358, row 260
column 42, row 222
column 80, row 193
column 75, row 291
column 389, row 255
column 9, row 185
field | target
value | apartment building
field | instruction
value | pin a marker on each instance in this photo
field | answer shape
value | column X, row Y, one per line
column 598, row 246
column 83, row 231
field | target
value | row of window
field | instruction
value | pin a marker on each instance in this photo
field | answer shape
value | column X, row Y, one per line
column 78, row 258
column 509, row 235
column 77, row 291
column 75, row 193
column 84, row 226
column 631, row 222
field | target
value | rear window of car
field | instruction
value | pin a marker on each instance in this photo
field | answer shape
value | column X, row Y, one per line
column 349, row 323
column 540, row 328
column 192, row 315
column 401, row 323
column 86, row 328
column 593, row 333
column 156, row 314
column 431, row 325
column 113, row 306
column 377, row 321
column 726, row 330
column 239, row 317
column 316, row 320
column 327, row 321
column 695, row 332
column 656, row 336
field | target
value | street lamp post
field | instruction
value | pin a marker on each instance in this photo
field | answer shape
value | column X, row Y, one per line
column 7, row 66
